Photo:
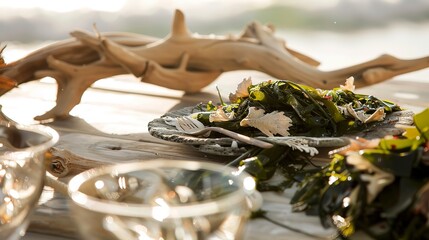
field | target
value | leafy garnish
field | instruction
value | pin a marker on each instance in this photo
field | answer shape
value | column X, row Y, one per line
column 313, row 112
column 269, row 124
column 242, row 90
column 381, row 191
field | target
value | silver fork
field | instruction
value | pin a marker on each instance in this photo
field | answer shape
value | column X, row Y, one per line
column 194, row 127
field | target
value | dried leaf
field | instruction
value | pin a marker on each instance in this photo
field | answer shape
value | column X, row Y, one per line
column 269, row 124
column 349, row 85
column 378, row 115
column 301, row 145
column 6, row 84
column 242, row 90
column 220, row 116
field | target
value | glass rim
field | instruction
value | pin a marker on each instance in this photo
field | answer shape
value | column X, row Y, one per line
column 29, row 151
column 220, row 204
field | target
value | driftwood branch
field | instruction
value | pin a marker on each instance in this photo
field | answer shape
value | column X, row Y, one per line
column 182, row 61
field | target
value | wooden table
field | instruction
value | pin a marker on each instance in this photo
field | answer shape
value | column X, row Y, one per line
column 110, row 126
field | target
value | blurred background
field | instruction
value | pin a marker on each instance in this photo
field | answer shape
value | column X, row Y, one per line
column 336, row 32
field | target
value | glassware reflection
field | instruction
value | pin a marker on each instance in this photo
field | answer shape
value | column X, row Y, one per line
column 162, row 199
column 22, row 172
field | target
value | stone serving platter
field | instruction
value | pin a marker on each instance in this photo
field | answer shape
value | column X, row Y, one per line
column 225, row 146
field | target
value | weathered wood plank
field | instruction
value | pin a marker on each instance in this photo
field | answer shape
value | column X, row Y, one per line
column 78, row 152
column 52, row 216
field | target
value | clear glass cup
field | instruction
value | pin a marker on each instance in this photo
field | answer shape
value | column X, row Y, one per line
column 163, row 199
column 22, row 171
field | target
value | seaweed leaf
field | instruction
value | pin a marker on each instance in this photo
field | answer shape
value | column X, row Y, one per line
column 269, row 124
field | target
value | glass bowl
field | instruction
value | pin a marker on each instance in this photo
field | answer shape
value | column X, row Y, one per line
column 22, row 171
column 163, row 199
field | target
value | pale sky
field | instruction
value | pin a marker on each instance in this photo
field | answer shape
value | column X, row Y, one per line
column 117, row 5
column 64, row 5
column 199, row 8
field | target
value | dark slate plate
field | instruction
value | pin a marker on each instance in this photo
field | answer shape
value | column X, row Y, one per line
column 223, row 145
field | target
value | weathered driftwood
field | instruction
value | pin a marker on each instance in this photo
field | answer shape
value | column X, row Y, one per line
column 181, row 61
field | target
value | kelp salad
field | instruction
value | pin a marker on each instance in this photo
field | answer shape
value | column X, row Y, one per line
column 287, row 108
column 376, row 195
